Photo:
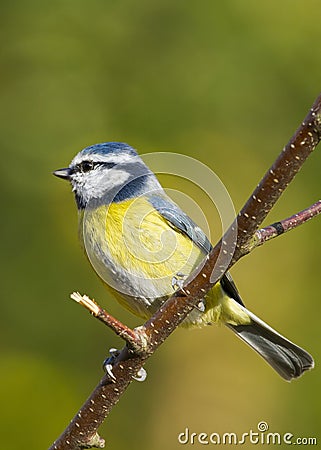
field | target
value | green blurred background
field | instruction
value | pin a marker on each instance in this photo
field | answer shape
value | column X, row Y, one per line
column 225, row 82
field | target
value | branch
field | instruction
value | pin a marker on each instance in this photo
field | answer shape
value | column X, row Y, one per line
column 82, row 431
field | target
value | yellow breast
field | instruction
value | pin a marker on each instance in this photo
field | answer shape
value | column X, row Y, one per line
column 131, row 243
column 142, row 241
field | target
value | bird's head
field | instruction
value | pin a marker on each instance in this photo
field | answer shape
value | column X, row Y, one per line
column 107, row 172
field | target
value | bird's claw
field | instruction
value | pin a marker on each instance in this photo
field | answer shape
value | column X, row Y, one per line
column 141, row 375
column 108, row 365
column 201, row 306
column 110, row 361
column 178, row 280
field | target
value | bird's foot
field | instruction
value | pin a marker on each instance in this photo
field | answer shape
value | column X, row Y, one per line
column 201, row 305
column 110, row 361
column 178, row 280
column 178, row 283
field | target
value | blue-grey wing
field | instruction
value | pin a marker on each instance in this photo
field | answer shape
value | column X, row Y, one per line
column 181, row 221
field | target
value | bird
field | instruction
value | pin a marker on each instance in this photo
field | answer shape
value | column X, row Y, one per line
column 143, row 246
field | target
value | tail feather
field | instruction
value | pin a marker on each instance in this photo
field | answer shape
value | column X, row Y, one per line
column 289, row 360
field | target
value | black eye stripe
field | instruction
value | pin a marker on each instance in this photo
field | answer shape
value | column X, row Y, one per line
column 86, row 166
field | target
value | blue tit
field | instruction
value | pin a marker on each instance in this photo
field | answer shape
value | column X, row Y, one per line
column 138, row 241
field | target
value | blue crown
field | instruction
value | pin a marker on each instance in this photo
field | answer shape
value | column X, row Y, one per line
column 107, row 148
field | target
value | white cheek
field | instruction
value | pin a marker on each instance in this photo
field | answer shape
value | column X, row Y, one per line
column 102, row 182
column 116, row 178
column 99, row 183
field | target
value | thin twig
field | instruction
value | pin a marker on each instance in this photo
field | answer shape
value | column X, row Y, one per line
column 83, row 428
column 134, row 338
column 276, row 229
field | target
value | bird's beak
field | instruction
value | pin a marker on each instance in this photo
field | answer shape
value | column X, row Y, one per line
column 63, row 173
